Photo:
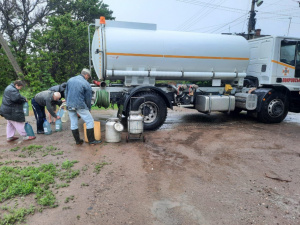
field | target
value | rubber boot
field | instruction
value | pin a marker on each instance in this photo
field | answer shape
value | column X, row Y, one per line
column 91, row 136
column 77, row 137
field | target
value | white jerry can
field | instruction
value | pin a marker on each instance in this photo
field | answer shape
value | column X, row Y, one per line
column 135, row 122
column 113, row 129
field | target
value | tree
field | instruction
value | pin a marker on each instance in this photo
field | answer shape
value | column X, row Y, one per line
column 7, row 73
column 49, row 37
column 59, row 51
column 82, row 10
column 18, row 18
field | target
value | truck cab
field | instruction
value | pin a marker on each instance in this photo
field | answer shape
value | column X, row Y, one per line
column 275, row 61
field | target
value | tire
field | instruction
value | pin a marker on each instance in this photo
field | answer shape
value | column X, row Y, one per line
column 274, row 109
column 155, row 109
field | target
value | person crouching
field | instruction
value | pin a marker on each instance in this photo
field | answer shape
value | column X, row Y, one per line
column 41, row 100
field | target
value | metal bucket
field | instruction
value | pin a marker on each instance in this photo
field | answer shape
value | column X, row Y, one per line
column 135, row 122
column 113, row 130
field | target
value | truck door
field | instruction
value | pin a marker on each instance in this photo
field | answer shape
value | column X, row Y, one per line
column 286, row 67
column 297, row 62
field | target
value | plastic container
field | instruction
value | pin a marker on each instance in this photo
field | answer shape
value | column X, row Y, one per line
column 113, row 129
column 97, row 131
column 26, row 108
column 60, row 112
column 47, row 127
column 28, row 129
column 58, row 125
column 65, row 116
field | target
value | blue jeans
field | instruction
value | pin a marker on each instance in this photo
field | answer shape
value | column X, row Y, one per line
column 39, row 113
column 85, row 115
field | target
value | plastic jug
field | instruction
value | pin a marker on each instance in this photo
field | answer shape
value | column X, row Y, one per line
column 28, row 129
column 60, row 112
column 65, row 117
column 58, row 125
column 26, row 108
column 47, row 127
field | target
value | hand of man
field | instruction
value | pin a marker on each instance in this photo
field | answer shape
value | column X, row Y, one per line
column 58, row 117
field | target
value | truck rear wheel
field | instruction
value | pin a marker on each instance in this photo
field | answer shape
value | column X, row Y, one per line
column 155, row 109
column 274, row 109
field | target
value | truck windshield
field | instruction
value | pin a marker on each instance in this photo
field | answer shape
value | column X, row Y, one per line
column 297, row 70
column 287, row 52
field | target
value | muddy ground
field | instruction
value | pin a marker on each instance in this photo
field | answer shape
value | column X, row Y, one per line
column 196, row 169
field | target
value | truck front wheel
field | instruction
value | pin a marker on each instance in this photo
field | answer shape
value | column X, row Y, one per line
column 152, row 106
column 274, row 109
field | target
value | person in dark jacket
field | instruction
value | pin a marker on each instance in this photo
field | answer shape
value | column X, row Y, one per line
column 12, row 110
column 78, row 96
column 42, row 99
column 61, row 89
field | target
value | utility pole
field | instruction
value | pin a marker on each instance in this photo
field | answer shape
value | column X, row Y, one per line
column 289, row 26
column 11, row 58
column 252, row 20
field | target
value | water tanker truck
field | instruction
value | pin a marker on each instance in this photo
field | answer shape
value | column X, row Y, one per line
column 261, row 76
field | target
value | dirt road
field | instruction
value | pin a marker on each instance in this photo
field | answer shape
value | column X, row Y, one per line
column 196, row 169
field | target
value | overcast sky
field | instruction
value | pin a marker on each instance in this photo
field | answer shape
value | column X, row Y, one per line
column 211, row 16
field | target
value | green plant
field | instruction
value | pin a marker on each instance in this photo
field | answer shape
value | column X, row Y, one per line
column 58, row 153
column 99, row 166
column 15, row 149
column 61, row 185
column 69, row 198
column 16, row 215
column 68, row 164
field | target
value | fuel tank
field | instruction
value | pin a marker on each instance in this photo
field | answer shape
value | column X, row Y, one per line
column 121, row 49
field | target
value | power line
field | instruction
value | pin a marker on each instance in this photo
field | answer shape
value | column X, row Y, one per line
column 198, row 14
column 230, row 9
column 228, row 23
column 200, row 17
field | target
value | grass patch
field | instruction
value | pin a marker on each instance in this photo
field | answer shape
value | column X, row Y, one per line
column 99, row 166
column 68, row 164
column 69, row 198
column 84, row 185
column 33, row 150
column 16, row 215
column 40, row 181
column 14, row 149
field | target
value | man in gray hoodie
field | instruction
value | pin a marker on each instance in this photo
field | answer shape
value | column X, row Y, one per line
column 42, row 99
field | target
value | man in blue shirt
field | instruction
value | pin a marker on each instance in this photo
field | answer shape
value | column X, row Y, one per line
column 78, row 95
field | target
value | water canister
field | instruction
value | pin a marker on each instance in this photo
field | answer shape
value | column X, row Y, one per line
column 58, row 125
column 135, row 122
column 97, row 131
column 113, row 129
column 60, row 112
column 26, row 108
column 28, row 129
column 47, row 127
column 65, row 116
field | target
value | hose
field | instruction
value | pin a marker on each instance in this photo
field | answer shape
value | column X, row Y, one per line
column 102, row 99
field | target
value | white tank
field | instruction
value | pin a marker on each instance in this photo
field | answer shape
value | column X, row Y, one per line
column 134, row 49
